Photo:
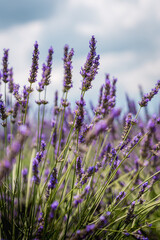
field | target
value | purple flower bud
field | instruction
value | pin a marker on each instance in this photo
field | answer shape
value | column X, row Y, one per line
column 43, row 145
column 53, row 179
column 24, row 172
column 23, row 130
column 54, row 206
column 90, row 227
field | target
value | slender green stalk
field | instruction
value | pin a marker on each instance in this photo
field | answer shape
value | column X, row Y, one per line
column 38, row 143
column 42, row 124
column 25, row 115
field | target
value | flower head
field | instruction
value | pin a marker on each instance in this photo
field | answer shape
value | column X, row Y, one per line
column 34, row 67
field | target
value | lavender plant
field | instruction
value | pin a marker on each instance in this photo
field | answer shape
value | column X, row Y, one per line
column 74, row 176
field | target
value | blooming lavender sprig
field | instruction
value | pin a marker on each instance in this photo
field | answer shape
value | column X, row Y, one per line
column 84, row 132
column 113, row 88
column 11, row 82
column 46, row 71
column 67, row 60
column 52, row 183
column 120, row 197
column 36, row 161
column 43, row 145
column 130, row 214
column 79, row 114
column 106, row 96
column 34, row 67
column 5, row 70
column 15, row 111
column 148, row 97
column 142, row 189
column 40, row 87
column 133, row 143
column 146, row 144
column 48, row 67
column 3, row 112
column 53, row 179
column 54, row 136
column 36, row 177
column 24, row 98
column 109, row 97
column 128, row 123
column 56, row 108
column 79, row 168
column 40, row 229
column 90, row 68
column 16, row 92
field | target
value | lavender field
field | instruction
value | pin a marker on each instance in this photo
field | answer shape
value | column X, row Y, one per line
column 88, row 172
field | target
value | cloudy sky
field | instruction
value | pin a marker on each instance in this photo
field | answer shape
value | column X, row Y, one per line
column 127, row 34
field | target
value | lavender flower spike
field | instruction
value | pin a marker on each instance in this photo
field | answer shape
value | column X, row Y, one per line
column 142, row 189
column 35, row 170
column 80, row 114
column 48, row 68
column 79, row 169
column 90, row 68
column 67, row 68
column 11, row 83
column 5, row 71
column 34, row 67
column 53, row 179
column 147, row 97
column 130, row 214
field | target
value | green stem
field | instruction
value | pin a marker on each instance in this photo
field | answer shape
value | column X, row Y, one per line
column 38, row 124
column 60, row 135
column 25, row 115
column 45, row 92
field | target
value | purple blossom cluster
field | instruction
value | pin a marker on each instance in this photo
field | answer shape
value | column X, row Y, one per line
column 36, row 161
column 34, row 67
column 90, row 68
column 148, row 97
column 107, row 97
column 67, row 68
column 5, row 71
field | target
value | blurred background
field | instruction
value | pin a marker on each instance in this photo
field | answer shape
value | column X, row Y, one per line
column 127, row 34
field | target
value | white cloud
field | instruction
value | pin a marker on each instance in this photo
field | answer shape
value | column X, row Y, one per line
column 114, row 16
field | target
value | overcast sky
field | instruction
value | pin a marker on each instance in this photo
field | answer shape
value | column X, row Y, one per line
column 127, row 33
